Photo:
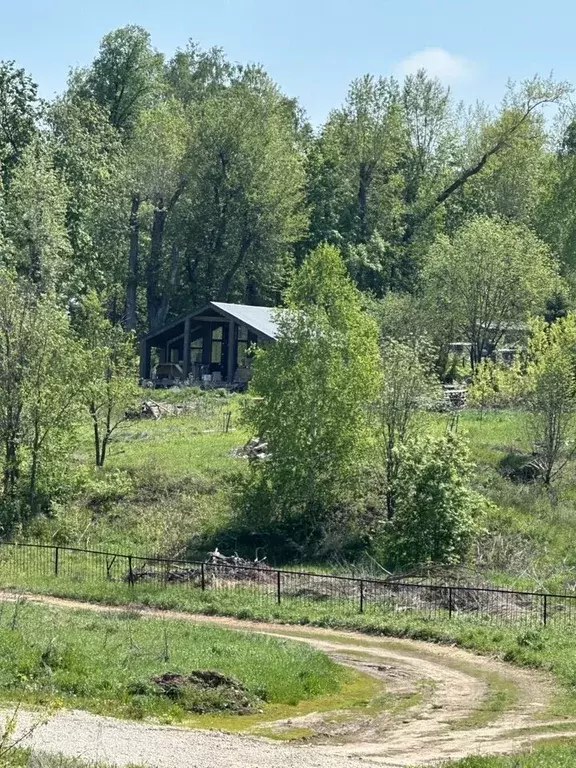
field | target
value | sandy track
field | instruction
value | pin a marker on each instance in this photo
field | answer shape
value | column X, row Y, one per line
column 457, row 685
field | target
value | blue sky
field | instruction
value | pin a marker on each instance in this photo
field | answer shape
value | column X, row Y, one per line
column 312, row 48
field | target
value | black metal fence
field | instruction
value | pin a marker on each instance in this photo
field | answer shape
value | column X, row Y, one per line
column 24, row 565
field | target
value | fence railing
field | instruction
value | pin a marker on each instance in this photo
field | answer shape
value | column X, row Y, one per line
column 27, row 565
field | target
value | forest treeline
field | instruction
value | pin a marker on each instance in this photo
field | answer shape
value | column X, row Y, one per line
column 160, row 183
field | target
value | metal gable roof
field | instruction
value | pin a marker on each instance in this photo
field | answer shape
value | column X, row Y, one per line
column 260, row 319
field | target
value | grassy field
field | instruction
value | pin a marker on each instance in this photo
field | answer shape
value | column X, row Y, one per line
column 169, row 488
column 116, row 664
column 547, row 756
column 531, row 535
column 166, row 486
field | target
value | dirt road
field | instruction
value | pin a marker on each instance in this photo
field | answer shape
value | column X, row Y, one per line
column 457, row 704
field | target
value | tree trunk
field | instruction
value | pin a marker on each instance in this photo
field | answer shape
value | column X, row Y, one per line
column 156, row 315
column 364, row 187
column 132, row 281
column 11, row 467
column 94, row 415
column 34, row 467
column 226, row 284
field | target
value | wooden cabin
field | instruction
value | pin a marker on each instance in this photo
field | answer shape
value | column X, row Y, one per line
column 211, row 343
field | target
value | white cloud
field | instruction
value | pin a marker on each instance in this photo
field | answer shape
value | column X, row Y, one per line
column 438, row 63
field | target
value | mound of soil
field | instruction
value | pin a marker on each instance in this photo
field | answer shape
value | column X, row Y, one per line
column 205, row 691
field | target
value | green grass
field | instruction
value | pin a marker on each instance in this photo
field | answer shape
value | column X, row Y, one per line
column 545, row 756
column 106, row 663
column 166, row 486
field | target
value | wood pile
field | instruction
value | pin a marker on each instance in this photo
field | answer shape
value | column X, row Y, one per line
column 153, row 410
column 254, row 450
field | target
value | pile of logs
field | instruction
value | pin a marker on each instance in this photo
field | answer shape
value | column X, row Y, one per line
column 254, row 450
column 231, row 567
column 153, row 410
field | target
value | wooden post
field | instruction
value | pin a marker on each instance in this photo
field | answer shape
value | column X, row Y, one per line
column 186, row 356
column 361, row 595
column 231, row 355
column 56, row 561
column 144, row 359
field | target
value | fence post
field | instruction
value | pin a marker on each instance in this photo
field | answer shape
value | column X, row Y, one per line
column 203, row 577
column 545, row 608
column 278, row 588
column 130, row 571
column 361, row 595
column 56, row 560
column 449, row 602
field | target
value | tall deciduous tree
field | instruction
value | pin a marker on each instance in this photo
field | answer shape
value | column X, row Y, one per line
column 242, row 210
column 91, row 160
column 550, row 386
column 408, row 387
column 108, row 381
column 39, row 363
column 316, row 383
column 488, row 278
column 161, row 171
column 125, row 77
column 37, row 242
column 19, row 113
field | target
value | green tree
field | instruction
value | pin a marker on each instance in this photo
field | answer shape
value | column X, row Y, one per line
column 243, row 209
column 408, row 387
column 394, row 166
column 125, row 77
column 550, row 385
column 109, row 386
column 316, row 384
column 39, row 363
column 437, row 514
column 35, row 220
column 91, row 160
column 161, row 171
column 19, row 113
column 490, row 277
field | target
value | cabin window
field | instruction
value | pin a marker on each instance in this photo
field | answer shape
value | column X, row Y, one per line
column 217, row 340
column 242, row 347
column 196, row 351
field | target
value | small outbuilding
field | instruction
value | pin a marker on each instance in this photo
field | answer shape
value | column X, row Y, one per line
column 211, row 343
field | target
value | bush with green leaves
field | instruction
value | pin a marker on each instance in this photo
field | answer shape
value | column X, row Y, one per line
column 550, row 386
column 437, row 514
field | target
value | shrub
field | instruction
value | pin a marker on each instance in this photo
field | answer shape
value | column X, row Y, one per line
column 437, row 514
